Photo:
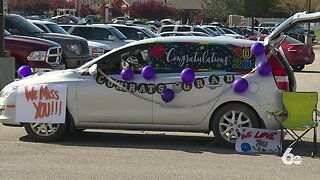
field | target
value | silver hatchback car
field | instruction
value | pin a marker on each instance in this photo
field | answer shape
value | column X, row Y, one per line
column 165, row 84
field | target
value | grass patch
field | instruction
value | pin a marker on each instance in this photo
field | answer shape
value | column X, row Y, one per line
column 317, row 32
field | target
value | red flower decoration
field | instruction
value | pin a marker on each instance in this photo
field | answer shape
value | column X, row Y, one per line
column 157, row 51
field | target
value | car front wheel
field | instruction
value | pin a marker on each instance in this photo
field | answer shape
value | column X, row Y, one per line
column 45, row 132
column 229, row 121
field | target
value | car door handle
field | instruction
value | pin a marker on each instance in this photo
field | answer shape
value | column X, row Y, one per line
column 213, row 86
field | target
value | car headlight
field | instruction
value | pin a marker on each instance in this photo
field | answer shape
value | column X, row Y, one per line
column 96, row 52
column 6, row 91
column 73, row 48
column 37, row 56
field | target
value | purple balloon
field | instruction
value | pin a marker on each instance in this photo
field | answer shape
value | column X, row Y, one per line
column 24, row 71
column 127, row 74
column 257, row 49
column 187, row 75
column 148, row 72
column 240, row 85
column 264, row 68
column 167, row 95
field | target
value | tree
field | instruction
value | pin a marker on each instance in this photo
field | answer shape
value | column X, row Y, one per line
column 293, row 6
column 221, row 9
column 29, row 6
column 152, row 9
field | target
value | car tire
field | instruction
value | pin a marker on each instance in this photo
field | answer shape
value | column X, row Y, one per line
column 226, row 126
column 45, row 132
column 298, row 68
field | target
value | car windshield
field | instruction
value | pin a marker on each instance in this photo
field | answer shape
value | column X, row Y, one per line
column 29, row 27
column 55, row 28
column 220, row 30
column 117, row 33
column 211, row 31
column 290, row 40
column 149, row 32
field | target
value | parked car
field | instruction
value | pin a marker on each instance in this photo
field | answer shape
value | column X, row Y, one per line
column 67, row 19
column 100, row 33
column 183, row 28
column 297, row 53
column 190, row 33
column 98, row 95
column 75, row 50
column 218, row 30
column 120, row 20
column 92, row 19
column 244, row 31
column 39, row 54
column 299, row 32
column 135, row 32
column 96, row 49
column 270, row 25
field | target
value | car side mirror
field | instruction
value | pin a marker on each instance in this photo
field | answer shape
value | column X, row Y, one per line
column 111, row 38
column 93, row 70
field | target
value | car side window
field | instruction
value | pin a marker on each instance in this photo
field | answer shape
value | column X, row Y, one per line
column 184, row 29
column 85, row 32
column 167, row 29
column 133, row 57
column 101, row 34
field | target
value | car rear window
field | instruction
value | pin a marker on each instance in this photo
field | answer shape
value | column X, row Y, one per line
column 174, row 57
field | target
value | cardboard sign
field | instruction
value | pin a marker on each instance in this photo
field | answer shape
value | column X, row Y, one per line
column 42, row 103
column 259, row 140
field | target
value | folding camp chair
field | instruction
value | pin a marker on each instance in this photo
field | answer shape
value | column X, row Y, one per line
column 299, row 114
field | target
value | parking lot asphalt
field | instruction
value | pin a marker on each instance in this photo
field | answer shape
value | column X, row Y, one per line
column 108, row 154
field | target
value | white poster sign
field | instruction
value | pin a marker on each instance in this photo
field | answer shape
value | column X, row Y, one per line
column 43, row 103
column 259, row 140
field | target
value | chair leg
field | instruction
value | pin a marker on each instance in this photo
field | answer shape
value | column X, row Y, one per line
column 315, row 140
column 281, row 142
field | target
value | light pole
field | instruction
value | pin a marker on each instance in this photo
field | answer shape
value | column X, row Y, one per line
column 308, row 34
column 7, row 63
column 253, row 15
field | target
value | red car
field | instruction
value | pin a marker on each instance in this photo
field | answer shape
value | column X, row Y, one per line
column 297, row 53
column 39, row 54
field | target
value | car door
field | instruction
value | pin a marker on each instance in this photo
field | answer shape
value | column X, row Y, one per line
column 101, row 99
column 192, row 102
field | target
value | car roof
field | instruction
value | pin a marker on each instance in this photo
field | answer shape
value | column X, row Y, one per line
column 41, row 22
column 123, row 25
column 88, row 25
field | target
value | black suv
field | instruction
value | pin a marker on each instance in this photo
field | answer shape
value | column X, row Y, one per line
column 75, row 50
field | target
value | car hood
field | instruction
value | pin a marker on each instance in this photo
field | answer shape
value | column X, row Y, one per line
column 62, row 76
column 98, row 45
column 129, row 41
column 59, row 36
column 31, row 40
column 301, row 17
